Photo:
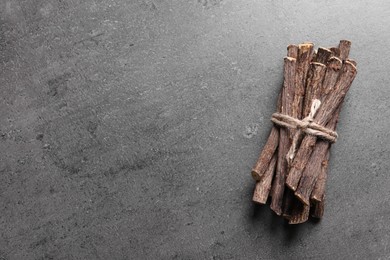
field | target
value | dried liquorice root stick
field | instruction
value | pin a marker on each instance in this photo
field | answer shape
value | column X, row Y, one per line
column 269, row 149
column 318, row 209
column 318, row 162
column 323, row 55
column 305, row 54
column 284, row 139
column 335, row 51
column 313, row 167
column 324, row 114
column 344, row 48
column 300, row 213
column 318, row 192
column 302, row 54
column 291, row 205
column 263, row 186
column 266, row 154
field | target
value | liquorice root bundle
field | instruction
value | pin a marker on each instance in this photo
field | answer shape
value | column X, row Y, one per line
column 293, row 166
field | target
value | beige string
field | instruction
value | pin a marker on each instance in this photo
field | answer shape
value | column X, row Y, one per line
column 305, row 125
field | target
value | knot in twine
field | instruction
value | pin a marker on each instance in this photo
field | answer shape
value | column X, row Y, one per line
column 305, row 125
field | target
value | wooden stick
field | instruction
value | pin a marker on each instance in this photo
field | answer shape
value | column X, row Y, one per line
column 305, row 54
column 344, row 48
column 314, row 85
column 273, row 140
column 332, row 73
column 335, row 51
column 289, row 202
column 292, row 51
column 318, row 192
column 264, row 185
column 266, row 154
column 300, row 214
column 352, row 61
column 318, row 209
column 314, row 165
column 269, row 149
column 284, row 140
column 323, row 55
column 319, row 187
column 288, row 195
column 324, row 114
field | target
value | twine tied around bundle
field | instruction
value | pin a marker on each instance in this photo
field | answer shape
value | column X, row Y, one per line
column 306, row 125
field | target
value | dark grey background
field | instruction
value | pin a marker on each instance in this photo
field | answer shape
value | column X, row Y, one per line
column 129, row 128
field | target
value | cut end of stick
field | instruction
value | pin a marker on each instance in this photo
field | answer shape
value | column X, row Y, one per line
column 292, row 179
column 352, row 61
column 302, row 198
column 318, row 64
column 318, row 209
column 323, row 55
column 301, row 215
column 291, row 186
column 290, row 59
column 292, row 51
column 256, row 175
column 335, row 51
column 334, row 63
column 277, row 210
column 316, row 199
column 259, row 200
column 344, row 47
column 351, row 65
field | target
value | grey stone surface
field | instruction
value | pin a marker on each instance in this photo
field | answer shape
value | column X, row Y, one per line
column 129, row 128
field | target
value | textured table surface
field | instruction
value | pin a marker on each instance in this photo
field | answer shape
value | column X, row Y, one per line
column 129, row 128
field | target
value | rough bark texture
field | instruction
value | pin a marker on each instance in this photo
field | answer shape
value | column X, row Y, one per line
column 314, row 84
column 324, row 114
column 352, row 61
column 304, row 56
column 292, row 51
column 323, row 55
column 314, row 165
column 263, row 186
column 284, row 140
column 299, row 213
column 344, row 48
column 319, row 189
column 303, row 61
column 271, row 145
column 288, row 195
column 335, row 51
column 332, row 73
column 288, row 203
column 318, row 209
column 266, row 154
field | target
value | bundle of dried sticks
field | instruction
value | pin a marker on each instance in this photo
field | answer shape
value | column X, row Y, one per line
column 292, row 168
